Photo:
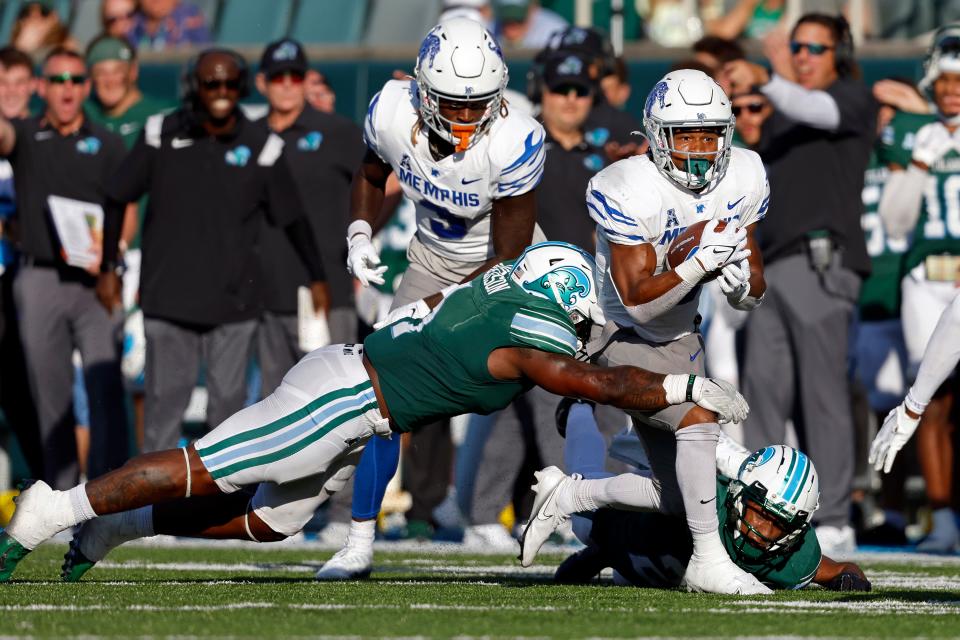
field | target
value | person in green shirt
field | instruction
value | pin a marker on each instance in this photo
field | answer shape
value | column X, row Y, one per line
column 922, row 199
column 765, row 501
column 117, row 103
column 473, row 347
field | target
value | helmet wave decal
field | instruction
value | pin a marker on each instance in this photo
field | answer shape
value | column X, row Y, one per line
column 568, row 284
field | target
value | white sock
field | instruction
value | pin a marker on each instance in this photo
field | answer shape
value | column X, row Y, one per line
column 585, row 450
column 696, row 468
column 627, row 491
column 709, row 545
column 362, row 533
column 80, row 503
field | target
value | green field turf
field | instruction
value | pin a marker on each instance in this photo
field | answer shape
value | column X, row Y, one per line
column 269, row 592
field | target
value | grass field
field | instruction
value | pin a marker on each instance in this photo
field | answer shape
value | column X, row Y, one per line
column 249, row 591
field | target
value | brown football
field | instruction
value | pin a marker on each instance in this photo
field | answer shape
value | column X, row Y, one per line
column 685, row 242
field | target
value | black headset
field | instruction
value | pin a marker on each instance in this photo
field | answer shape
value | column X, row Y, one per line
column 843, row 54
column 188, row 81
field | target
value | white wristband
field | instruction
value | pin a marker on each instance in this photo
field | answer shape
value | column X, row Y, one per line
column 676, row 385
column 359, row 227
column 690, row 271
column 911, row 403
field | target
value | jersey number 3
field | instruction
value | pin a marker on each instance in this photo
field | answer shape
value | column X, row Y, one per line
column 445, row 225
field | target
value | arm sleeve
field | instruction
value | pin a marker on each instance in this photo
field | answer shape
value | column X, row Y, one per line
column 900, row 202
column 939, row 359
column 113, row 211
column 521, row 168
column 531, row 328
column 816, row 109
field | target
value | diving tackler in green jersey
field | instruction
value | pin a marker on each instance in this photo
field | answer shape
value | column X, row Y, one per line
column 436, row 366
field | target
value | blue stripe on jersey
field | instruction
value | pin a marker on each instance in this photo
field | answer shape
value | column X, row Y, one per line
column 534, row 177
column 611, row 232
column 540, row 326
column 763, row 207
column 530, row 149
column 616, row 215
column 369, row 132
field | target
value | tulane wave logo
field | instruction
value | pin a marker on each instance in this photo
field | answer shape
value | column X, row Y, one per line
column 567, row 285
column 238, row 157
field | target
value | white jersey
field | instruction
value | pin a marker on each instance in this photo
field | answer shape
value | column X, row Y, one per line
column 454, row 196
column 632, row 203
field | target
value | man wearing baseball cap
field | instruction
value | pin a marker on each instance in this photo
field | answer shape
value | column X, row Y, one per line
column 323, row 150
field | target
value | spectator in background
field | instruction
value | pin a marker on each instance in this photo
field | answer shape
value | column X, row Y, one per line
column 816, row 146
column 117, row 18
column 751, row 109
column 715, row 52
column 616, row 84
column 323, row 151
column 38, row 29
column 921, row 197
column 606, row 126
column 62, row 153
column 319, row 93
column 748, row 19
column 524, row 23
column 167, row 24
column 118, row 104
column 212, row 177
column 17, row 85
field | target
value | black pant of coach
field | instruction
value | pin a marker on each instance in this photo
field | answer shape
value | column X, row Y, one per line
column 58, row 311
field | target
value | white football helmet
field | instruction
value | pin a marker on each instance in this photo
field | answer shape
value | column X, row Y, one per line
column 688, row 99
column 783, row 482
column 943, row 56
column 563, row 273
column 459, row 60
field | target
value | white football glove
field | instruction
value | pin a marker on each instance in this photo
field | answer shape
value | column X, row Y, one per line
column 932, row 142
column 720, row 397
column 895, row 432
column 734, row 281
column 363, row 262
column 412, row 311
column 718, row 248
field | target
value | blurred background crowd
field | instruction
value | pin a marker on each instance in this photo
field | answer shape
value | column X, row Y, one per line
column 217, row 277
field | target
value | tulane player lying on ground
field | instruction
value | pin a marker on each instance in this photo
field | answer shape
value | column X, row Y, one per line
column 765, row 501
column 483, row 343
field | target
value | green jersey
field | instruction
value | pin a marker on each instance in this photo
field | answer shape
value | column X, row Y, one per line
column 437, row 367
column 653, row 549
column 393, row 241
column 938, row 228
column 880, row 293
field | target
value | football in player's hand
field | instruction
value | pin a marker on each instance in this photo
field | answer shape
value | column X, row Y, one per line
column 684, row 244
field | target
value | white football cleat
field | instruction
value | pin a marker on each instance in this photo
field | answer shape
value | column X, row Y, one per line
column 546, row 515
column 353, row 562
column 489, row 537
column 720, row 575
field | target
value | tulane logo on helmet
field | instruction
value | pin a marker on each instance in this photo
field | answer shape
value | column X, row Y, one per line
column 568, row 285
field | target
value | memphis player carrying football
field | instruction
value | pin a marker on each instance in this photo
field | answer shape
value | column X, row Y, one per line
column 470, row 166
column 691, row 174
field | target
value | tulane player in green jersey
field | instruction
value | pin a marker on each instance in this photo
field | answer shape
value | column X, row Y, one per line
column 764, row 504
column 475, row 348
column 922, row 195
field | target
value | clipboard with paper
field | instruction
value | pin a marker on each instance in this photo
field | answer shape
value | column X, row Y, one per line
column 79, row 226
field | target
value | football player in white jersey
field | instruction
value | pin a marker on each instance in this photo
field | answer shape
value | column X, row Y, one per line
column 640, row 204
column 470, row 165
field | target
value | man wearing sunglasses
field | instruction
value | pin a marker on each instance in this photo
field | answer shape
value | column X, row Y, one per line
column 751, row 109
column 816, row 146
column 213, row 178
column 62, row 153
column 324, row 150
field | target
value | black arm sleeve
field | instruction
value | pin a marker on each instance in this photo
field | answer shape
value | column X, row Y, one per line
column 112, row 227
column 300, row 234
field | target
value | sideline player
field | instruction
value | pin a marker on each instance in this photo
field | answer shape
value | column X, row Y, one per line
column 482, row 344
column 640, row 205
column 922, row 196
column 470, row 165
column 765, row 501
